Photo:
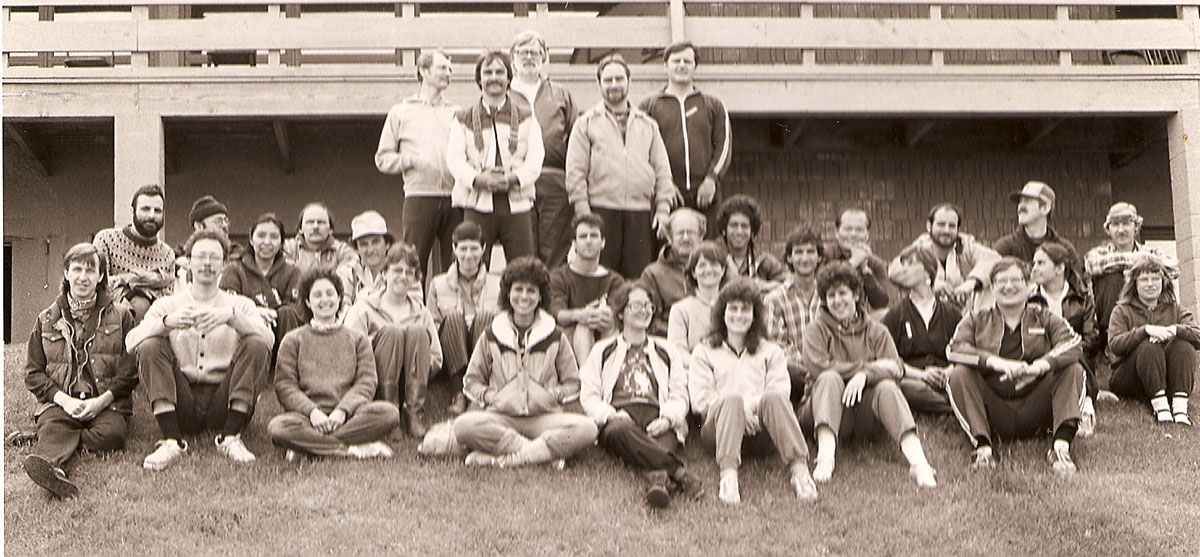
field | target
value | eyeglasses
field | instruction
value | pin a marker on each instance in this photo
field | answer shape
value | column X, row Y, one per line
column 641, row 306
column 530, row 52
column 404, row 271
column 208, row 258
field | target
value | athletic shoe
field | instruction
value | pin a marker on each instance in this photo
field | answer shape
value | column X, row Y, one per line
column 803, row 485
column 374, row 449
column 982, row 459
column 558, row 464
column 729, row 493
column 20, row 438
column 657, row 495
column 233, row 447
column 823, row 470
column 1060, row 460
column 1182, row 419
column 1087, row 420
column 291, row 456
column 480, row 458
column 688, row 483
column 923, row 474
column 166, row 452
column 1107, row 397
column 50, row 477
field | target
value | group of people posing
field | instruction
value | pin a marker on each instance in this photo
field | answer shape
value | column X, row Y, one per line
column 584, row 337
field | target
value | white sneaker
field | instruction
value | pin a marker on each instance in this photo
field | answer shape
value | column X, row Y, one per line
column 374, row 449
column 1087, row 420
column 166, row 452
column 291, row 456
column 729, row 492
column 823, row 470
column 923, row 474
column 233, row 447
column 480, row 458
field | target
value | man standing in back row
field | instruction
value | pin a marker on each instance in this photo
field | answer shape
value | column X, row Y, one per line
column 1034, row 202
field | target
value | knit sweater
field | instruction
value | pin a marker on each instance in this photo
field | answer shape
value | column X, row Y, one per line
column 127, row 252
column 325, row 369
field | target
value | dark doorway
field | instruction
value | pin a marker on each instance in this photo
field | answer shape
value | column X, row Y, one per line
column 7, row 293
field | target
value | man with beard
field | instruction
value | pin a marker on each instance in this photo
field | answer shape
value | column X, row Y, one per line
column 581, row 289
column 413, row 143
column 695, row 129
column 738, row 223
column 555, row 111
column 314, row 246
column 202, row 355
column 792, row 307
column 852, row 244
column 665, row 279
column 617, row 166
column 495, row 154
column 1034, row 202
column 963, row 262
column 141, row 266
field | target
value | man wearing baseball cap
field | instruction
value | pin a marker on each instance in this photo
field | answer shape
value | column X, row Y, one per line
column 370, row 237
column 1034, row 202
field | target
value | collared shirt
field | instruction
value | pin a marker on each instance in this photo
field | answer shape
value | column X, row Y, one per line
column 788, row 314
column 1105, row 258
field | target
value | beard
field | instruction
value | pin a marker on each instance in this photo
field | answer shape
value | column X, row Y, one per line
column 943, row 240
column 147, row 228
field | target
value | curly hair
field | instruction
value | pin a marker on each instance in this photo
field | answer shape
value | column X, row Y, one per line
column 1146, row 265
column 800, row 236
column 740, row 203
column 85, row 252
column 526, row 268
column 620, row 300
column 713, row 252
column 406, row 253
column 835, row 274
column 309, row 279
column 746, row 291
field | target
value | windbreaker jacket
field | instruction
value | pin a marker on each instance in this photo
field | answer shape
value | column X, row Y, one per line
column 718, row 371
column 1044, row 335
column 1079, row 311
column 555, row 110
column 697, row 135
column 367, row 317
column 468, row 155
column 53, row 364
column 530, row 376
column 600, row 372
column 611, row 171
column 419, row 129
column 446, row 295
column 665, row 280
column 280, row 286
column 971, row 259
column 1127, row 329
column 829, row 346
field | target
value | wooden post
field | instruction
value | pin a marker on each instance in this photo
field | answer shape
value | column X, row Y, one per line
column 274, row 55
column 138, row 158
column 1063, row 13
column 45, row 59
column 138, row 59
column 937, row 57
column 676, row 14
column 808, row 56
column 407, row 57
column 1183, row 144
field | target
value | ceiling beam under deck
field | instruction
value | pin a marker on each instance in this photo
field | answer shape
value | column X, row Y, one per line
column 284, row 145
column 31, row 142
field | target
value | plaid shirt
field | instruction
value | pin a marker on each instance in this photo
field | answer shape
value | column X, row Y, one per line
column 788, row 315
column 1105, row 259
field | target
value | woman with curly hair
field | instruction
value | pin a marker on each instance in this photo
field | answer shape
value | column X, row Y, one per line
column 521, row 375
column 854, row 372
column 325, row 380
column 1153, row 341
column 739, row 384
column 691, row 318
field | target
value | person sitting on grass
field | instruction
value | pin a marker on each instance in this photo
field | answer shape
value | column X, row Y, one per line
column 795, row 303
column 79, row 371
column 521, row 374
column 202, row 355
column 1017, row 372
column 462, row 301
column 739, row 384
column 691, row 317
column 853, row 371
column 264, row 275
column 635, row 387
column 581, row 288
column 738, row 223
column 403, row 337
column 325, row 380
column 1153, row 341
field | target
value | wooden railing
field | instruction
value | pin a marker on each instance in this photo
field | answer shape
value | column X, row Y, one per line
column 64, row 38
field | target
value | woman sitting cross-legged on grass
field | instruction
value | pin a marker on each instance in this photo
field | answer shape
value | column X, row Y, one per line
column 739, row 384
column 1153, row 341
column 325, row 380
column 521, row 373
column 635, row 386
column 853, row 371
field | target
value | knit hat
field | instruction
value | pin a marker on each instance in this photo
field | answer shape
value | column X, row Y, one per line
column 205, row 207
column 1034, row 190
column 370, row 223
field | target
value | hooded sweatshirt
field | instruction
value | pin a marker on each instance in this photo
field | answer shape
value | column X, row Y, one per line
column 847, row 348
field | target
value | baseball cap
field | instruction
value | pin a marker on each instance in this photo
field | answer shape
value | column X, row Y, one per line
column 370, row 223
column 1034, row 190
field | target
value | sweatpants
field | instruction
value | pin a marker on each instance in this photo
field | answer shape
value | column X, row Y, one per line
column 883, row 406
column 724, row 431
column 458, row 339
column 628, row 241
column 402, row 362
column 203, row 406
column 426, row 220
column 1152, row 368
column 986, row 412
column 59, row 435
column 629, row 441
column 372, row 421
column 552, row 215
column 922, row 397
column 513, row 230
column 565, row 433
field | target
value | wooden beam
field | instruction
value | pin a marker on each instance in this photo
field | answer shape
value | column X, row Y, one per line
column 916, row 130
column 1035, row 134
column 284, row 145
column 31, row 142
column 793, row 130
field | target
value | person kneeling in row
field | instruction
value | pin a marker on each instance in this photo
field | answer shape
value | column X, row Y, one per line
column 853, row 369
column 635, row 386
column 325, row 380
column 739, row 384
column 521, row 373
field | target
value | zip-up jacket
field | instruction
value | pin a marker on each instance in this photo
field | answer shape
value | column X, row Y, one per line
column 527, row 376
column 719, row 371
column 555, row 110
column 280, row 286
column 368, row 317
column 1044, row 335
column 419, row 129
column 1127, row 329
column 600, row 372
column 697, row 135
column 472, row 149
column 611, row 171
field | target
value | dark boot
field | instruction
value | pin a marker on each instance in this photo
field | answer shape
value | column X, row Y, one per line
column 657, row 495
column 458, row 405
column 416, row 423
column 416, row 387
column 50, row 477
column 688, row 483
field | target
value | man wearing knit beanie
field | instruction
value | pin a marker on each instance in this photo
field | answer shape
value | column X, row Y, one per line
column 210, row 214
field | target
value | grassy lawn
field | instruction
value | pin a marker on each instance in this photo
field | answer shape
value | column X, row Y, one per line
column 1137, row 493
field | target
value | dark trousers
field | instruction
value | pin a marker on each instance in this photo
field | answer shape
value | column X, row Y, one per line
column 552, row 216
column 630, row 442
column 1152, row 368
column 59, row 434
column 513, row 230
column 1039, row 409
column 426, row 220
column 202, row 406
column 458, row 339
column 628, row 241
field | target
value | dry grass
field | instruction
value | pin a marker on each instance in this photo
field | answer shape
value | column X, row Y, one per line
column 1137, row 494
